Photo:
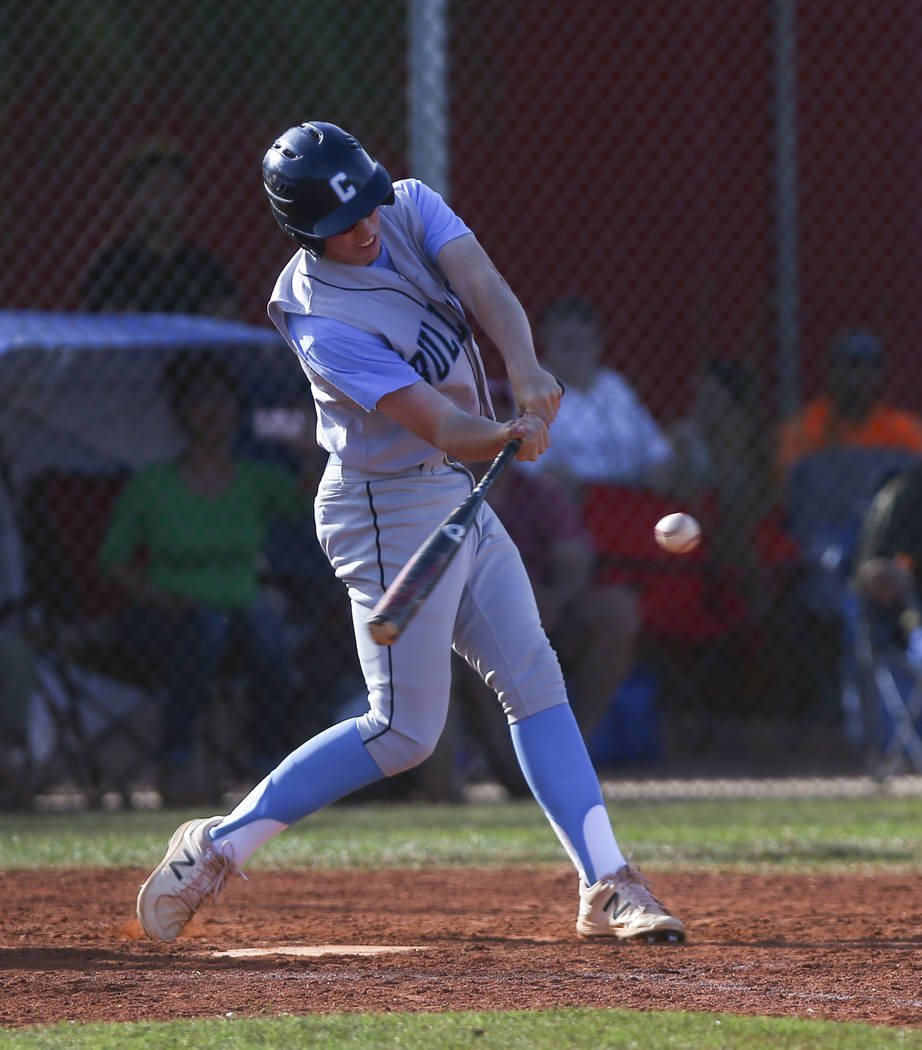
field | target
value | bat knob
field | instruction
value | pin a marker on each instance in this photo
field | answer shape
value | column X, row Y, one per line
column 382, row 630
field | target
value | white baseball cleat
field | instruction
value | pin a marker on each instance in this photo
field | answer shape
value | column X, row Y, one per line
column 194, row 869
column 622, row 906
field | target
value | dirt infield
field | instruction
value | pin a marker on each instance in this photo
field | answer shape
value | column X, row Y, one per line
column 836, row 947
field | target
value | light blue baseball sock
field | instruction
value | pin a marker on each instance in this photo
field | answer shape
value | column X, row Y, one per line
column 327, row 767
column 556, row 764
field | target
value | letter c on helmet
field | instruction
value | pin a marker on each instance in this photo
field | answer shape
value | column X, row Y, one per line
column 341, row 186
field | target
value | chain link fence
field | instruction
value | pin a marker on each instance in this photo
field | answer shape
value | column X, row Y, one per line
column 710, row 194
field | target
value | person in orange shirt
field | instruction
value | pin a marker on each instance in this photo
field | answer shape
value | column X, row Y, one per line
column 850, row 411
column 829, row 459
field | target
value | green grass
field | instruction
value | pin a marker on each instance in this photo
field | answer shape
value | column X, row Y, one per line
column 750, row 834
column 513, row 1030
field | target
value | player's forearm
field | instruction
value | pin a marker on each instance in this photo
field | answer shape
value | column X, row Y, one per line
column 486, row 295
column 472, row 439
column 431, row 416
column 475, row 439
column 464, row 436
column 505, row 322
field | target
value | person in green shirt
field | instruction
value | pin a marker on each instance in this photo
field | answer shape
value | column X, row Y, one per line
column 185, row 543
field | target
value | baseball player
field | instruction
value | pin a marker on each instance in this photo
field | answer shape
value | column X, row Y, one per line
column 375, row 304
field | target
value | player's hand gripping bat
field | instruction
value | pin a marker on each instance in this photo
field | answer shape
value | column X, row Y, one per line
column 422, row 572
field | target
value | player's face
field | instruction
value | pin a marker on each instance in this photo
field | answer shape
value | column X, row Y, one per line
column 357, row 246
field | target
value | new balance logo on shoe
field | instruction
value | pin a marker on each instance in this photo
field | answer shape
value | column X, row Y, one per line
column 175, row 865
column 612, row 903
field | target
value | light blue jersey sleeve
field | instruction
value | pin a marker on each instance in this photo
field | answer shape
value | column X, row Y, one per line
column 439, row 221
column 361, row 365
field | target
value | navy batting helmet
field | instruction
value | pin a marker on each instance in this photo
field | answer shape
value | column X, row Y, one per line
column 320, row 182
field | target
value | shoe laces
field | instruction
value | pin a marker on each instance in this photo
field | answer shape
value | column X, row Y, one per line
column 637, row 886
column 214, row 869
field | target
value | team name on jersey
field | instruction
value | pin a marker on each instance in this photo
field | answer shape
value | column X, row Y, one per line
column 439, row 341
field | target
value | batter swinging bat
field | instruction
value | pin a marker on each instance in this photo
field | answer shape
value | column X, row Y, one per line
column 422, row 572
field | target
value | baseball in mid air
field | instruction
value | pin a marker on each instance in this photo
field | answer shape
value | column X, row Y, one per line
column 678, row 533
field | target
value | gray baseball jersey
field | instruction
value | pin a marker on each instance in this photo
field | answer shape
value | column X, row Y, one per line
column 360, row 332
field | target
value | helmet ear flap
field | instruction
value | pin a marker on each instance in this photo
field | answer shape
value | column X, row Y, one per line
column 314, row 245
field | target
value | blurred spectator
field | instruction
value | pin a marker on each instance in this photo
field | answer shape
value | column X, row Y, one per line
column 185, row 543
column 592, row 626
column 702, row 610
column 830, row 461
column 602, row 432
column 883, row 637
column 850, row 411
column 720, row 468
column 888, row 564
column 155, row 267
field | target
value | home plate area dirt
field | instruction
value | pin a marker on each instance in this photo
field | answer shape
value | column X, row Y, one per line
column 837, row 947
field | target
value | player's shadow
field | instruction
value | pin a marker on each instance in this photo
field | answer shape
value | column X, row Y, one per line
column 35, row 959
column 155, row 957
column 833, row 944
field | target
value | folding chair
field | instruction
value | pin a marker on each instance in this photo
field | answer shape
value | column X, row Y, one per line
column 829, row 494
column 889, row 690
column 99, row 709
column 93, row 716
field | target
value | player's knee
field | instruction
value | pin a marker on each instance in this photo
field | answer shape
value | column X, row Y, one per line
column 395, row 752
column 415, row 752
column 533, row 685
